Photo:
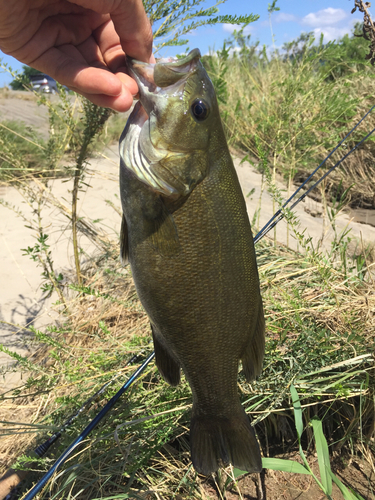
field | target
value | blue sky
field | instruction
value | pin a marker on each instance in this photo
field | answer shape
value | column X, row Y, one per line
column 333, row 18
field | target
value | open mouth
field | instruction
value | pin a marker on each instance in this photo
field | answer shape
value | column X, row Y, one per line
column 142, row 148
column 165, row 77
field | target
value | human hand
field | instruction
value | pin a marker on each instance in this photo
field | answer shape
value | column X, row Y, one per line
column 80, row 43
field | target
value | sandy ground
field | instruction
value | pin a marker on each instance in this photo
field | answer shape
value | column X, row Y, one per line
column 21, row 299
column 23, row 107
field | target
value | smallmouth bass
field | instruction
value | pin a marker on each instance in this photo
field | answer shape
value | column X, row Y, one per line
column 187, row 236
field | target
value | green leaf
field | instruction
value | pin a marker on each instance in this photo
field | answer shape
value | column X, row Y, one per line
column 348, row 495
column 229, row 19
column 284, row 465
column 323, row 455
column 297, row 411
column 238, row 472
column 245, row 158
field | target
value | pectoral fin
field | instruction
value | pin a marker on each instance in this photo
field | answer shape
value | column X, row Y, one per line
column 164, row 237
column 124, row 248
column 166, row 363
column 252, row 358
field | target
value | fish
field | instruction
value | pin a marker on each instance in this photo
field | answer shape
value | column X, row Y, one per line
column 187, row 236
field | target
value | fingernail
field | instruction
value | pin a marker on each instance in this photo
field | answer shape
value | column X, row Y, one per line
column 122, row 77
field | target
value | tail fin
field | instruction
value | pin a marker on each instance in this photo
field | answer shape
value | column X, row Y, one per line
column 216, row 442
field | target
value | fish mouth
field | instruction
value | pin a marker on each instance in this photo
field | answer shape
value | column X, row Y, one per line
column 142, row 148
column 163, row 78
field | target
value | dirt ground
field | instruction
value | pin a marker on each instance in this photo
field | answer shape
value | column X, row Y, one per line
column 276, row 485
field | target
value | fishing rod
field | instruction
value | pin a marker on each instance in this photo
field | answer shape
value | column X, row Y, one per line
column 10, row 480
column 270, row 224
column 63, row 457
column 278, row 216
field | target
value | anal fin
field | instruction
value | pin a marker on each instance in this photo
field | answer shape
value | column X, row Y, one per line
column 252, row 358
column 167, row 365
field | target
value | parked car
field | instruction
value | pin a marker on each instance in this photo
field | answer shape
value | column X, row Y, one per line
column 43, row 83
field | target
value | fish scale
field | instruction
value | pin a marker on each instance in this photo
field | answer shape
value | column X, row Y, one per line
column 192, row 256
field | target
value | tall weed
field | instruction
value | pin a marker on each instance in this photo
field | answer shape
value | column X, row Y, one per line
column 292, row 105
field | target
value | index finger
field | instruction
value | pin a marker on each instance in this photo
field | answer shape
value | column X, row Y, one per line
column 134, row 29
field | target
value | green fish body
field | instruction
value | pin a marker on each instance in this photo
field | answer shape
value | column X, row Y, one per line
column 188, row 239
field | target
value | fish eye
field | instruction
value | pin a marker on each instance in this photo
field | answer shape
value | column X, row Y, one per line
column 200, row 110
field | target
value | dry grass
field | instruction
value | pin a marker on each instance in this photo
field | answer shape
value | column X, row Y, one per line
column 6, row 93
column 75, row 344
column 296, row 114
column 320, row 324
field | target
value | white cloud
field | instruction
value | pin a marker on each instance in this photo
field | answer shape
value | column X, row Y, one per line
column 236, row 49
column 325, row 17
column 232, row 50
column 284, row 17
column 331, row 32
column 333, row 23
column 231, row 27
